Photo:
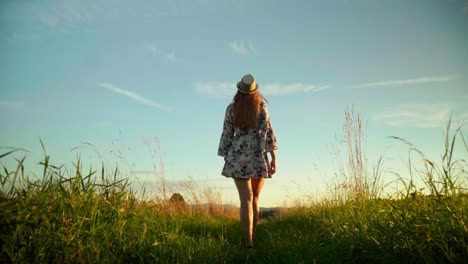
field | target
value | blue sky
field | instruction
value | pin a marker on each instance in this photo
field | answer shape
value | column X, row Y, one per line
column 117, row 73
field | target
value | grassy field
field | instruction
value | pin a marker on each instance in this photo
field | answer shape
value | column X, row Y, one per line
column 93, row 217
column 71, row 220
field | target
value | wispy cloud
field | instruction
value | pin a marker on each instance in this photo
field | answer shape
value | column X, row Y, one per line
column 422, row 80
column 133, row 96
column 242, row 48
column 225, row 89
column 420, row 116
column 155, row 50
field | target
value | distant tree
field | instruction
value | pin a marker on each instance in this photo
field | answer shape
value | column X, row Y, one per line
column 178, row 199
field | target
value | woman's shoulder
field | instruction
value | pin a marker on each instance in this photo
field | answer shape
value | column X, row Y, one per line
column 230, row 109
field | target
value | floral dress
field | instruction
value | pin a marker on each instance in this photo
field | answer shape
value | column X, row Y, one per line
column 244, row 152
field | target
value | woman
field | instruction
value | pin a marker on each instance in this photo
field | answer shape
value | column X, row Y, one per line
column 246, row 139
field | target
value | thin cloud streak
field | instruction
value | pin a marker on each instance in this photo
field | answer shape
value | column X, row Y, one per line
column 241, row 48
column 434, row 79
column 133, row 96
column 420, row 116
column 225, row 89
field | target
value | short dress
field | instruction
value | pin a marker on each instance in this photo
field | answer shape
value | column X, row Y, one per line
column 245, row 152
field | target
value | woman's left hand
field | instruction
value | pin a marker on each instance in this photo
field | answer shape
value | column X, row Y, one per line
column 272, row 167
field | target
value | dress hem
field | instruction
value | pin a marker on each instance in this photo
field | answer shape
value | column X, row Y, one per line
column 234, row 177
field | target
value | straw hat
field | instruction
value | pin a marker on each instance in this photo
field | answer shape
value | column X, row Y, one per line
column 247, row 85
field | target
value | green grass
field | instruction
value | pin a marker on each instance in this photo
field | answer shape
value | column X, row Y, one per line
column 77, row 220
column 421, row 230
column 58, row 223
column 93, row 217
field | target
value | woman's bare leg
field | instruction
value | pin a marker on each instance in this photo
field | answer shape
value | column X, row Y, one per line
column 257, row 185
column 244, row 188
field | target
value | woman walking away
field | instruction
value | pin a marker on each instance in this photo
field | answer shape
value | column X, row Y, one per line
column 246, row 139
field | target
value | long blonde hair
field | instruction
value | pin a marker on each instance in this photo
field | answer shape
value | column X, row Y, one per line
column 247, row 109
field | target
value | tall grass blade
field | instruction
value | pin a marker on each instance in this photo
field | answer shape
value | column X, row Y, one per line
column 8, row 153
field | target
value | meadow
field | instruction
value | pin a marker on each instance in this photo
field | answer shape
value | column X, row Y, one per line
column 92, row 216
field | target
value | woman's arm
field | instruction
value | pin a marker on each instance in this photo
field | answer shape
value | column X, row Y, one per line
column 228, row 134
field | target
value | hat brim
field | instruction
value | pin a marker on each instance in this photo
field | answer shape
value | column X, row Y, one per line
column 247, row 92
